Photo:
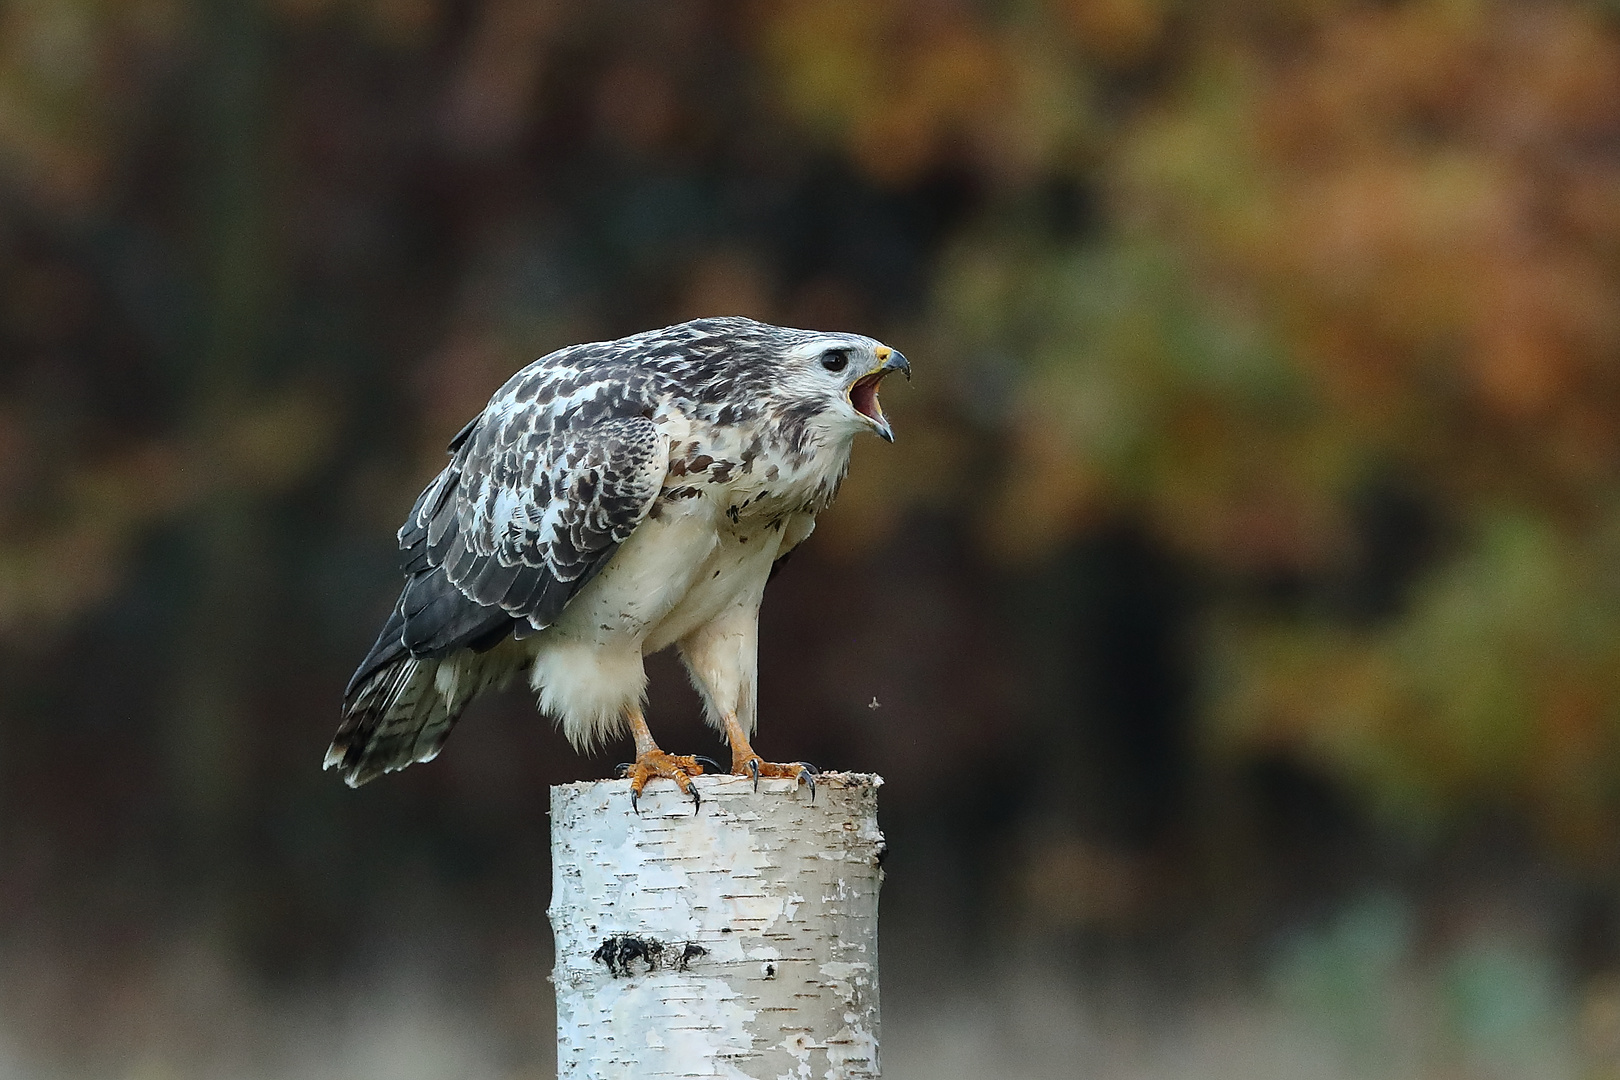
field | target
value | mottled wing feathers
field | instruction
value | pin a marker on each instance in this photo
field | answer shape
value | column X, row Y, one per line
column 539, row 493
column 535, row 516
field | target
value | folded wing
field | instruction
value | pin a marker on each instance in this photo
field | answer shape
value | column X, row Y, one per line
column 530, row 508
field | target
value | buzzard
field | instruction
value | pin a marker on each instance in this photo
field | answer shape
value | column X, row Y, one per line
column 611, row 500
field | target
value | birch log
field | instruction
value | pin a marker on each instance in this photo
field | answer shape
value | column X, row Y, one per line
column 738, row 942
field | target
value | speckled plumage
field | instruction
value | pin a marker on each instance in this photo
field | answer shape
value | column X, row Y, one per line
column 612, row 499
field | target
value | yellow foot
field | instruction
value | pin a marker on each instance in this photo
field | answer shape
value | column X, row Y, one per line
column 755, row 766
column 656, row 763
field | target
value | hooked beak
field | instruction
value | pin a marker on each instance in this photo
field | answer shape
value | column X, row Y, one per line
column 863, row 392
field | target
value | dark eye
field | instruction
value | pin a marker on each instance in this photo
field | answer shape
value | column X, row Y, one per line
column 835, row 359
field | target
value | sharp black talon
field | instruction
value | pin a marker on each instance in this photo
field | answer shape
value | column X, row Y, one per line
column 624, row 767
column 634, row 797
column 809, row 777
column 697, row 800
column 753, row 767
column 709, row 761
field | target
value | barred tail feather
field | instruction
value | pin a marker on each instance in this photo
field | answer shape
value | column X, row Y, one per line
column 402, row 710
column 396, row 717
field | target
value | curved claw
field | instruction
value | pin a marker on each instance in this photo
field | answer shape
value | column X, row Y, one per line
column 709, row 761
column 809, row 777
column 802, row 771
column 656, row 765
column 622, row 770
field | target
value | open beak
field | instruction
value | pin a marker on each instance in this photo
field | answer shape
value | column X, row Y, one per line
column 863, row 392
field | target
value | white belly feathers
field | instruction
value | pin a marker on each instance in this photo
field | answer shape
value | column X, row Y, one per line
column 705, row 552
column 676, row 573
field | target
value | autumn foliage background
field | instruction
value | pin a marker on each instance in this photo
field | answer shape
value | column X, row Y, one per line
column 1236, row 620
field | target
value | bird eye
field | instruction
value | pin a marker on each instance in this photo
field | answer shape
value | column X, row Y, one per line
column 835, row 359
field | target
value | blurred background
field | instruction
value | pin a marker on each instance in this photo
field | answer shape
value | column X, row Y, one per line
column 1236, row 620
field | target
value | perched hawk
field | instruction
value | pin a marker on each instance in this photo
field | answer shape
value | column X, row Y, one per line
column 611, row 500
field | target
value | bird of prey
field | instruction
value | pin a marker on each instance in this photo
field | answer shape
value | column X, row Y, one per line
column 611, row 500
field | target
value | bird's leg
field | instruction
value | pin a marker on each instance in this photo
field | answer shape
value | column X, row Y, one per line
column 652, row 762
column 744, row 762
column 723, row 659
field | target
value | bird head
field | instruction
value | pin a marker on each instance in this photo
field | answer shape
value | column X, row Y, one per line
column 839, row 375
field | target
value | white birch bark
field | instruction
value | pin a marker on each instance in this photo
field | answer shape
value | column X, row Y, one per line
column 740, row 942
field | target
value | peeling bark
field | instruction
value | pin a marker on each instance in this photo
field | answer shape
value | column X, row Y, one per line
column 738, row 942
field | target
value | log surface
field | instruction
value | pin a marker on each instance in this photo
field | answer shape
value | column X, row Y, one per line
column 740, row 942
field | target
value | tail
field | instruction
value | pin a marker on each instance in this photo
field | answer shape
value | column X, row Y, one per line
column 437, row 652
column 399, row 708
column 395, row 718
